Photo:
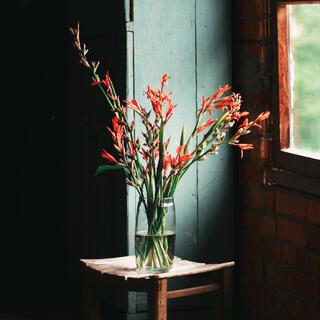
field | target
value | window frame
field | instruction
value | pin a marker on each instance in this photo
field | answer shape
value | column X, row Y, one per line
column 289, row 169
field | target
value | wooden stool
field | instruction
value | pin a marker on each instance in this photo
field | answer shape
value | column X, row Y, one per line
column 121, row 273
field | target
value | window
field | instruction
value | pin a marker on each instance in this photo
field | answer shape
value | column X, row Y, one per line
column 297, row 87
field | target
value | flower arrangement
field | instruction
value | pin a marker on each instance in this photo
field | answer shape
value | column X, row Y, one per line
column 145, row 158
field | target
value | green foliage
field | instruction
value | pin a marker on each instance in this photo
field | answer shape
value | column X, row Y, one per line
column 305, row 46
column 107, row 167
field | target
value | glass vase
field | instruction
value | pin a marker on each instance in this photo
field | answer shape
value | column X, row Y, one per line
column 155, row 234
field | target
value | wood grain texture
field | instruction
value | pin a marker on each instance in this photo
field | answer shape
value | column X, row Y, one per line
column 283, row 70
column 192, row 291
column 164, row 42
column 124, row 268
column 157, row 300
column 215, row 175
column 121, row 272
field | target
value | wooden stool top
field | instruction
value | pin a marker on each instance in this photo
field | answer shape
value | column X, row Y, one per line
column 124, row 268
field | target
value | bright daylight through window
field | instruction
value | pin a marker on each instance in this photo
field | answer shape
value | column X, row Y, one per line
column 303, row 80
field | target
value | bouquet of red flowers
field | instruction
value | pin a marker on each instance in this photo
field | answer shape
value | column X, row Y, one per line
column 145, row 158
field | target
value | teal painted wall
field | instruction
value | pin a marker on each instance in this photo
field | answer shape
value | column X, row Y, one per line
column 190, row 40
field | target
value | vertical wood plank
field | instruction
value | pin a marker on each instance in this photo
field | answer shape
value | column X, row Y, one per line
column 215, row 177
column 164, row 42
column 283, row 78
column 157, row 300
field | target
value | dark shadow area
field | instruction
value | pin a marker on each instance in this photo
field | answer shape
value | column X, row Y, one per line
column 34, row 223
column 54, row 210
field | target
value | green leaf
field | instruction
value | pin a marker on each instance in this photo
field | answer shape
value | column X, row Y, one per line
column 106, row 167
column 183, row 135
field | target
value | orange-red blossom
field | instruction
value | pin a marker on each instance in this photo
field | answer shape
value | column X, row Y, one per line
column 160, row 100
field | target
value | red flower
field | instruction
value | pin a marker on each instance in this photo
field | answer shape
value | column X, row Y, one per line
column 169, row 112
column 145, row 155
column 166, row 162
column 132, row 150
column 181, row 158
column 221, row 91
column 117, row 135
column 237, row 115
column 244, row 146
column 244, row 123
column 154, row 98
column 207, row 104
column 134, row 105
column 262, row 116
column 106, row 82
column 228, row 101
column 109, row 157
column 164, row 79
column 205, row 125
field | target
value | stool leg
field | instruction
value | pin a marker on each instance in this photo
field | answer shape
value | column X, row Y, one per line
column 227, row 293
column 90, row 301
column 157, row 300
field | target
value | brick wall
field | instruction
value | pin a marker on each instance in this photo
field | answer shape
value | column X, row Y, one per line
column 278, row 229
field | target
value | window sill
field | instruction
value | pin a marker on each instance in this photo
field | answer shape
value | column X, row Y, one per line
column 292, row 180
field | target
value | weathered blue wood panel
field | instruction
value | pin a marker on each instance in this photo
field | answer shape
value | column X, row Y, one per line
column 164, row 42
column 215, row 178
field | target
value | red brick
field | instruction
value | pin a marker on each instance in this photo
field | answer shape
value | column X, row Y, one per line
column 283, row 202
column 313, row 312
column 253, row 29
column 267, row 225
column 300, row 310
column 260, row 245
column 253, row 291
column 248, row 219
column 300, row 207
column 302, row 285
column 279, row 300
column 294, row 257
column 312, row 235
column 277, row 277
column 250, row 243
column 261, row 151
column 250, row 171
column 250, row 48
column 291, row 204
column 264, row 54
column 256, row 197
column 270, row 248
column 251, row 265
column 313, row 211
column 261, row 98
column 253, row 8
column 291, row 231
column 261, row 52
column 314, row 265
